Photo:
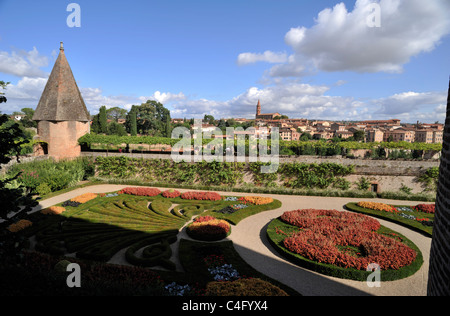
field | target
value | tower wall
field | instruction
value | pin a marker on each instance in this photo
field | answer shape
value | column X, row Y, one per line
column 62, row 137
column 439, row 271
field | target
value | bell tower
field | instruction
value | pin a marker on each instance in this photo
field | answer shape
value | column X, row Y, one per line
column 61, row 114
column 258, row 109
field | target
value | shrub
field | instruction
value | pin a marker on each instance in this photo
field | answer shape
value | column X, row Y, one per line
column 244, row 287
column 20, row 225
column 171, row 193
column 211, row 196
column 43, row 189
column 140, row 191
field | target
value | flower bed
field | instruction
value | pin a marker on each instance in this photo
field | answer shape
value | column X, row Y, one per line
column 171, row 193
column 83, row 198
column 256, row 200
column 326, row 236
column 425, row 208
column 378, row 206
column 140, row 191
column 20, row 225
column 404, row 215
column 210, row 196
column 53, row 210
column 208, row 228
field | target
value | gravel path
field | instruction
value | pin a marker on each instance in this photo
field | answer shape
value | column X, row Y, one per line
column 250, row 241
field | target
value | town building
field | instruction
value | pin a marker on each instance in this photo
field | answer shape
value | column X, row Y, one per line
column 264, row 116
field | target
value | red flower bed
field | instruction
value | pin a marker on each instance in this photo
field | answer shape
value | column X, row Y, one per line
column 425, row 208
column 171, row 193
column 211, row 196
column 140, row 191
column 323, row 232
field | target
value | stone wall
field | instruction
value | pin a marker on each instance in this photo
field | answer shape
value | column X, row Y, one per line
column 362, row 166
column 439, row 273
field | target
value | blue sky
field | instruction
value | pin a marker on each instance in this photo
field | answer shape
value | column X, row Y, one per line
column 315, row 59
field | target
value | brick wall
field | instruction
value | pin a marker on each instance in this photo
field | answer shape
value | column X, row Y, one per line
column 439, row 272
column 62, row 137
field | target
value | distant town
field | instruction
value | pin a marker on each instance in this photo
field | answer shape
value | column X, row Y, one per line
column 294, row 129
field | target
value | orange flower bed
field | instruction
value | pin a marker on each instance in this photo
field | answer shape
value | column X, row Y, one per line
column 378, row 207
column 53, row 210
column 83, row 198
column 22, row 224
column 256, row 200
column 208, row 228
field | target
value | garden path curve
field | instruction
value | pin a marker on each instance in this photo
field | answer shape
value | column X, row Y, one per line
column 249, row 239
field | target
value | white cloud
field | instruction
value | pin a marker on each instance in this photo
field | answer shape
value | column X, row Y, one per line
column 341, row 40
column 409, row 102
column 267, row 56
column 164, row 97
column 23, row 64
column 94, row 99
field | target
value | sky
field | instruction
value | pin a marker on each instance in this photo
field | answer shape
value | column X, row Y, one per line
column 316, row 59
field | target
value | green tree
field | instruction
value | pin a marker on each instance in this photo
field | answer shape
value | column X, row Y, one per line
column 14, row 199
column 359, row 136
column 131, row 120
column 168, row 127
column 116, row 113
column 209, row 119
column 305, row 136
column 103, row 120
column 151, row 118
column 115, row 128
column 95, row 127
column 2, row 94
column 27, row 120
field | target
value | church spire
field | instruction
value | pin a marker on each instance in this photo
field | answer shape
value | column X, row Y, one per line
column 258, row 109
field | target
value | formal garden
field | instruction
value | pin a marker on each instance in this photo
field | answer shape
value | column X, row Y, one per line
column 147, row 240
column 137, row 228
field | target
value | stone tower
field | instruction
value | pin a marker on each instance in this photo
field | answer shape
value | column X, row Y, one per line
column 258, row 109
column 439, row 272
column 61, row 115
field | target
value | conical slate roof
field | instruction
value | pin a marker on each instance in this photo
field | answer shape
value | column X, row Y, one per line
column 61, row 99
